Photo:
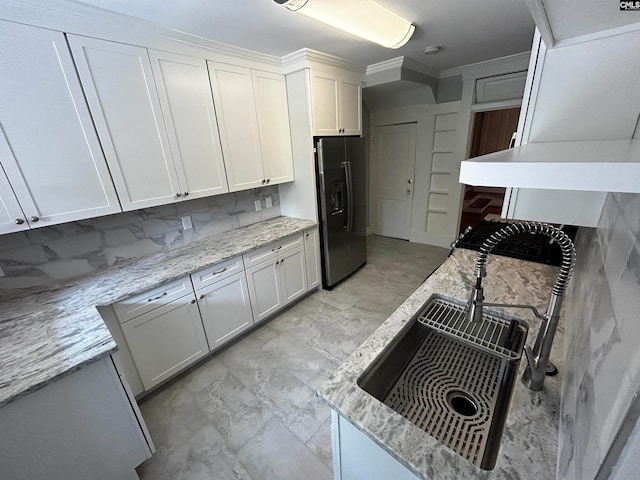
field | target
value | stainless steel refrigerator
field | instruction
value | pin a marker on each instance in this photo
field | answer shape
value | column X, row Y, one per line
column 342, row 206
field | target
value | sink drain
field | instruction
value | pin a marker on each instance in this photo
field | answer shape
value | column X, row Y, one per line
column 462, row 403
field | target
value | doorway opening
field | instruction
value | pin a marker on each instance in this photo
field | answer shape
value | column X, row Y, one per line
column 492, row 131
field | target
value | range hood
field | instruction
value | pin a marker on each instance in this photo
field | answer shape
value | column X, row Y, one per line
column 594, row 165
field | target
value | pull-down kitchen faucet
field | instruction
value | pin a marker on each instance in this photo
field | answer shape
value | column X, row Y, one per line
column 538, row 357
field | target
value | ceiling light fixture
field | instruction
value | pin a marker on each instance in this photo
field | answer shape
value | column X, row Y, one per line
column 363, row 18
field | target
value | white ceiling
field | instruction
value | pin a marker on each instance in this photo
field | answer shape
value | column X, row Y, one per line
column 469, row 30
column 571, row 18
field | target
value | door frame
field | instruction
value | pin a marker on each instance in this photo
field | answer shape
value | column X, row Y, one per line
column 377, row 164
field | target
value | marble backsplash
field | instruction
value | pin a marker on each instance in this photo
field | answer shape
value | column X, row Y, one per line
column 46, row 255
column 602, row 335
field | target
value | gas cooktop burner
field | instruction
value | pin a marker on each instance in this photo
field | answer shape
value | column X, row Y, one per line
column 525, row 246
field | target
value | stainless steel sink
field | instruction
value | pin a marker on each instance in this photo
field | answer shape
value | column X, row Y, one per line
column 452, row 377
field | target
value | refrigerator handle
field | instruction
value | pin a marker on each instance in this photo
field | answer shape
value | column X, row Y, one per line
column 349, row 184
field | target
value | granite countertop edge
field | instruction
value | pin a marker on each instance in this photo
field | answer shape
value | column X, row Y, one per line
column 49, row 332
column 530, row 439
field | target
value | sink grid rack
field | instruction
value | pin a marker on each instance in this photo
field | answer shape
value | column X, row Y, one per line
column 492, row 333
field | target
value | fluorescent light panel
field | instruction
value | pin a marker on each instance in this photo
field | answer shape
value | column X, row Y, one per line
column 362, row 18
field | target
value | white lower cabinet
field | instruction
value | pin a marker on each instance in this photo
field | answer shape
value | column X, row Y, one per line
column 277, row 282
column 265, row 289
column 293, row 275
column 226, row 309
column 166, row 340
column 312, row 257
column 170, row 327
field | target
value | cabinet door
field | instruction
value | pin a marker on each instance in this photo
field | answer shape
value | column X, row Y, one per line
column 293, row 275
column 187, row 108
column 166, row 340
column 225, row 309
column 10, row 213
column 264, row 289
column 238, row 124
column 119, row 86
column 312, row 258
column 324, row 103
column 350, row 101
column 48, row 147
column 273, row 125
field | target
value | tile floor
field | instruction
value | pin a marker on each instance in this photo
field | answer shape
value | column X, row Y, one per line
column 250, row 411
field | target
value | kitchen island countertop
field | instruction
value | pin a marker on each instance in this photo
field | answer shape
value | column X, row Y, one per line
column 530, row 440
column 48, row 332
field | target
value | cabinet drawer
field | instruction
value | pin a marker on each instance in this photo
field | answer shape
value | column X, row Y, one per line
column 217, row 272
column 272, row 250
column 151, row 299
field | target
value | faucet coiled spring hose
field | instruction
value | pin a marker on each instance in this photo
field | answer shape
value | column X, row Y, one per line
column 565, row 243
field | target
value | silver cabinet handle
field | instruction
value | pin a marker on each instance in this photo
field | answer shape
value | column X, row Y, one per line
column 156, row 298
column 268, row 180
column 278, row 262
column 34, row 219
column 264, row 181
column 186, row 194
column 19, row 221
column 201, row 297
column 178, row 194
column 276, row 249
column 193, row 301
column 219, row 271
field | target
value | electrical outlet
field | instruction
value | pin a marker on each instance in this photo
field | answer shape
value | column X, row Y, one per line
column 268, row 201
column 258, row 205
column 1, row 273
column 187, row 224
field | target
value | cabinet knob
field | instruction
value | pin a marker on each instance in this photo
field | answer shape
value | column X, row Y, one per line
column 264, row 181
column 278, row 262
column 193, row 301
column 34, row 219
column 178, row 194
column 19, row 221
column 201, row 297
column 186, row 194
column 268, row 180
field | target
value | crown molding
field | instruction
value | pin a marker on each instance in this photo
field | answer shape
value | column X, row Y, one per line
column 309, row 58
column 496, row 66
column 402, row 62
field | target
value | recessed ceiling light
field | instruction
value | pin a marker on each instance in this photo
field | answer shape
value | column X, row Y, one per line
column 432, row 49
column 363, row 18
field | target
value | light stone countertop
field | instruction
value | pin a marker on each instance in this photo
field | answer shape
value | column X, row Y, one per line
column 49, row 332
column 530, row 440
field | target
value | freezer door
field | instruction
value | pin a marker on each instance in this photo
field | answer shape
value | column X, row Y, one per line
column 355, row 156
column 333, row 210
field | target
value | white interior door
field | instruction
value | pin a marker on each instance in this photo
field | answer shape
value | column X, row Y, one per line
column 396, row 153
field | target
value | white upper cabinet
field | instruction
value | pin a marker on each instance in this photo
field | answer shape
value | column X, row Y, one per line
column 324, row 99
column 238, row 124
column 336, row 101
column 270, row 91
column 350, row 106
column 187, row 107
column 48, row 148
column 119, row 86
column 253, row 119
column 12, row 217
